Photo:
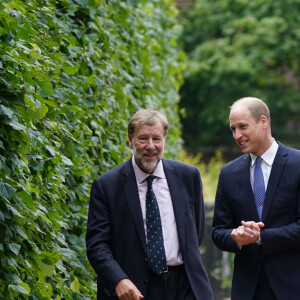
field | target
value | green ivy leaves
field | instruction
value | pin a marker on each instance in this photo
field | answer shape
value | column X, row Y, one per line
column 6, row 190
column 72, row 73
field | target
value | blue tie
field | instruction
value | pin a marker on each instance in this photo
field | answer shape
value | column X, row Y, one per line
column 259, row 186
column 156, row 249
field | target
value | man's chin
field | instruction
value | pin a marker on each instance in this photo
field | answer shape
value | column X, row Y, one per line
column 150, row 166
column 245, row 150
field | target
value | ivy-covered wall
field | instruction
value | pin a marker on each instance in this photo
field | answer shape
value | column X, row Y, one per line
column 72, row 72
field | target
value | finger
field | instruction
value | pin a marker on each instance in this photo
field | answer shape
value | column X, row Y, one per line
column 261, row 224
column 248, row 223
column 249, row 231
column 252, row 225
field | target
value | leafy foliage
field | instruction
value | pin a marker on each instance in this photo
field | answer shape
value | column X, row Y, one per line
column 209, row 172
column 236, row 49
column 72, row 72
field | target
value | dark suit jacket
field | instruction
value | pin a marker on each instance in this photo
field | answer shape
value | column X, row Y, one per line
column 280, row 250
column 116, row 242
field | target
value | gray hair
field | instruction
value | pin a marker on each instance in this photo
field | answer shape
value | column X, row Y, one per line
column 149, row 116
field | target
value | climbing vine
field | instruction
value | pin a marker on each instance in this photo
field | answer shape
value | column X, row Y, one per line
column 72, row 72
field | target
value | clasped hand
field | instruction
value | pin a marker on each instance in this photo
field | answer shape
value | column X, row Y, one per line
column 247, row 233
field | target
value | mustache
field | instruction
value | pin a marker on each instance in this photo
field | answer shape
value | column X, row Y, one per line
column 147, row 152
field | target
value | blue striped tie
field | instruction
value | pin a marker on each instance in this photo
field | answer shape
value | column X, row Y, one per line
column 156, row 249
column 259, row 186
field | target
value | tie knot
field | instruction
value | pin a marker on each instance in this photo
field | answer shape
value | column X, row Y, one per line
column 150, row 179
column 258, row 161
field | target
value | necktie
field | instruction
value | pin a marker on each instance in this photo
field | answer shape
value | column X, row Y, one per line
column 156, row 249
column 259, row 186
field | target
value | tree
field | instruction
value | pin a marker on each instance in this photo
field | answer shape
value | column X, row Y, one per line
column 239, row 48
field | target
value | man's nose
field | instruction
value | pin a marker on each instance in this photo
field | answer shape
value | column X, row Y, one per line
column 237, row 134
column 150, row 144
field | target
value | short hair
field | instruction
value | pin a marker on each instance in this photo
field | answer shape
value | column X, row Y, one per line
column 149, row 116
column 256, row 107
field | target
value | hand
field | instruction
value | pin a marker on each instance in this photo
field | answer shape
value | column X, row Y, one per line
column 251, row 225
column 247, row 233
column 126, row 290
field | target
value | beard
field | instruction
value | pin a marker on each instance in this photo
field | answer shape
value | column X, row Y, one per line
column 144, row 165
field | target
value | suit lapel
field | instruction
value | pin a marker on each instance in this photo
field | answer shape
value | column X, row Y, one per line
column 276, row 171
column 133, row 200
column 174, row 183
column 246, row 188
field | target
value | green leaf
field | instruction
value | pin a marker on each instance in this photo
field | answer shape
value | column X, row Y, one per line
column 47, row 270
column 15, row 248
column 50, row 258
column 16, row 125
column 13, row 210
column 18, row 288
column 21, row 233
column 23, row 34
column 6, row 111
column 6, row 190
column 25, row 286
column 26, row 197
column 11, row 277
column 9, row 58
column 75, row 285
column 2, row 218
column 45, row 289
column 68, row 253
column 67, row 161
column 41, row 214
column 45, row 86
column 69, row 68
column 51, row 150
column 43, row 111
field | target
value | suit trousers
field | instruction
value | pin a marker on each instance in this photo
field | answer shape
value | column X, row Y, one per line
column 172, row 285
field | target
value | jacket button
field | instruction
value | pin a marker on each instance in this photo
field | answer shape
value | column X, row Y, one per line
column 146, row 259
column 145, row 281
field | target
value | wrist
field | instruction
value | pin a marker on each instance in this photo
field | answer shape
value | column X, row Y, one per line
column 258, row 241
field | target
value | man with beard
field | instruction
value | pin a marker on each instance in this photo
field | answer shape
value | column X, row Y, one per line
column 146, row 222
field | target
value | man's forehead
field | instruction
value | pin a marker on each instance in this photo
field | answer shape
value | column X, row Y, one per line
column 149, row 128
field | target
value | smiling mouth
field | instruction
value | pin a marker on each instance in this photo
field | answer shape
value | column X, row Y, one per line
column 242, row 144
column 150, row 154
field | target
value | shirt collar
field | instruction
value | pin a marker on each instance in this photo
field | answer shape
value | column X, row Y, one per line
column 268, row 156
column 141, row 175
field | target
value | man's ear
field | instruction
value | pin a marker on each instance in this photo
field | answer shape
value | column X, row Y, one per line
column 264, row 121
column 130, row 141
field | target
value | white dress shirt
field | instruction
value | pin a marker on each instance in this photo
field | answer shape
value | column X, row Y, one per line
column 163, row 196
column 266, row 163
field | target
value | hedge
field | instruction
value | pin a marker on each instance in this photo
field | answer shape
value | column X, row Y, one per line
column 72, row 72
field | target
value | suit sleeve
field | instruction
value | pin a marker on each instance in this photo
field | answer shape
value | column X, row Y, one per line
column 98, row 239
column 223, row 220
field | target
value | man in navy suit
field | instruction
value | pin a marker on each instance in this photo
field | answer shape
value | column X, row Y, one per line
column 257, row 208
column 116, row 239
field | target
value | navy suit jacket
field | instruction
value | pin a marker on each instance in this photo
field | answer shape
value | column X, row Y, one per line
column 279, row 253
column 116, row 241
